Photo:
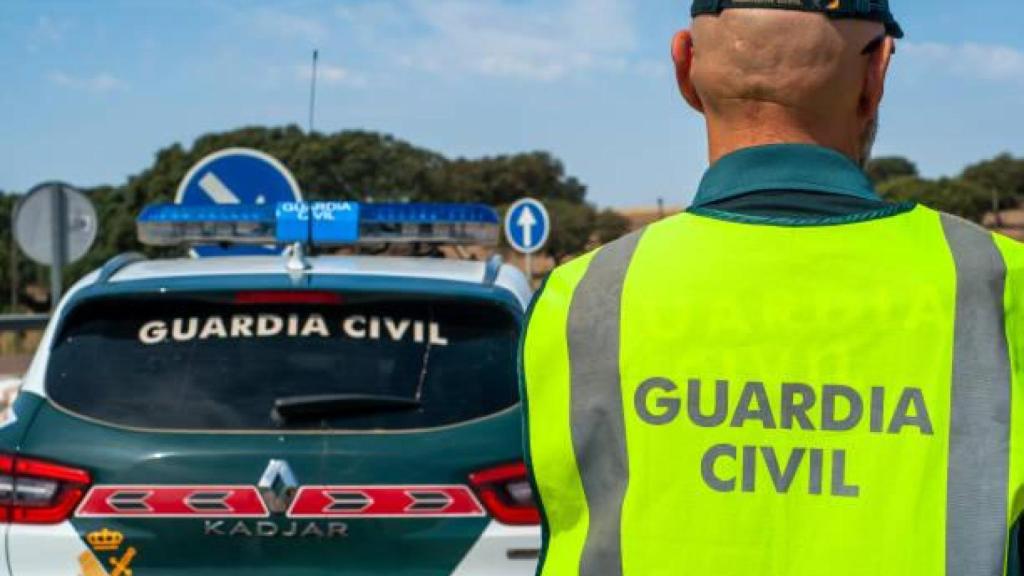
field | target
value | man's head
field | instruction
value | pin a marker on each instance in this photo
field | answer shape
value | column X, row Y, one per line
column 764, row 76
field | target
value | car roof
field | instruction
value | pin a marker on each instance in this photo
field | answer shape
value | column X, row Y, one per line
column 463, row 271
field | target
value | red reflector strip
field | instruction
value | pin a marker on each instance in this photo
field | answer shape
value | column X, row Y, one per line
column 385, row 502
column 173, row 502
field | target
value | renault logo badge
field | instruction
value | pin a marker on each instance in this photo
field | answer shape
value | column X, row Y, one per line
column 278, row 486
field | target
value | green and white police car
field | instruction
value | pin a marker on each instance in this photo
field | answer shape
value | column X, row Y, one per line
column 284, row 415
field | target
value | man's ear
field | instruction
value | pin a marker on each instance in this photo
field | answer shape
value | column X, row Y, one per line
column 682, row 56
column 874, row 80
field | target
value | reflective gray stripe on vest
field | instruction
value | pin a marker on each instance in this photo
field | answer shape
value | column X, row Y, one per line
column 598, row 421
column 979, row 441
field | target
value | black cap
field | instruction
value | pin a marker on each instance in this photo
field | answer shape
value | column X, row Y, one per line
column 877, row 10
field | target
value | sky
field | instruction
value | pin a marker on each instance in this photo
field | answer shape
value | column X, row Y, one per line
column 91, row 90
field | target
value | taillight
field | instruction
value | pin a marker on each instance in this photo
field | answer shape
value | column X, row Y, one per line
column 507, row 494
column 37, row 492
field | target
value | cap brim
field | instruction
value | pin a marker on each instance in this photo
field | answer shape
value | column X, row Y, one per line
column 892, row 28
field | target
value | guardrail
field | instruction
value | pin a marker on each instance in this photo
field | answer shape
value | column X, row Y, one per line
column 22, row 322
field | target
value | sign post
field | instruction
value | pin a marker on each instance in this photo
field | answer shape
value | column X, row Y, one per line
column 527, row 227
column 58, row 243
column 14, row 265
column 237, row 176
column 55, row 225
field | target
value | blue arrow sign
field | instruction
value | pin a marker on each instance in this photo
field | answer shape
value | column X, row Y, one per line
column 237, row 176
column 527, row 226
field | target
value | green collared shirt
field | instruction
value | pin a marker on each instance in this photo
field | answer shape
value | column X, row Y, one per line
column 790, row 185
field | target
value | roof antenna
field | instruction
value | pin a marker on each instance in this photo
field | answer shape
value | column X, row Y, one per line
column 297, row 264
column 312, row 90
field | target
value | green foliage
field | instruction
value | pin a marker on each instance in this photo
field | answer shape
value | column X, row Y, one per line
column 610, row 226
column 574, row 224
column 26, row 270
column 358, row 165
column 891, row 167
column 1002, row 176
column 354, row 165
column 954, row 196
column 978, row 189
column 504, row 179
column 362, row 165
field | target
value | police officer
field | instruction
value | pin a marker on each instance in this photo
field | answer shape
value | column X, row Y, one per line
column 794, row 377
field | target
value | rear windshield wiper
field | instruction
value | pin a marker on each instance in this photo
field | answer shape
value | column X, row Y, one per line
column 323, row 405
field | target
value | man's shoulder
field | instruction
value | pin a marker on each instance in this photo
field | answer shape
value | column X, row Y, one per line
column 561, row 283
column 960, row 230
column 571, row 272
column 1012, row 251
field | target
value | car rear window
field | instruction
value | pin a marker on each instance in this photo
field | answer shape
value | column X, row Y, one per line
column 220, row 362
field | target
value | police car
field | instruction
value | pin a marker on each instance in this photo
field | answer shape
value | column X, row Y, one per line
column 277, row 414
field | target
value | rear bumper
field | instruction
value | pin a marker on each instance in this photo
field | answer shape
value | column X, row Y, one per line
column 48, row 550
column 44, row 550
column 503, row 551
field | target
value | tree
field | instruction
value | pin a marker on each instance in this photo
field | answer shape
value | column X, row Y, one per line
column 610, row 226
column 26, row 269
column 889, row 168
column 1002, row 177
column 572, row 228
column 502, row 180
column 356, row 165
column 954, row 196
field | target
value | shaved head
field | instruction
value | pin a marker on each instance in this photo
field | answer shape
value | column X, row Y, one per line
column 774, row 76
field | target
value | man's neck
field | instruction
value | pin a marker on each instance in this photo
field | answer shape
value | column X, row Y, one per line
column 724, row 139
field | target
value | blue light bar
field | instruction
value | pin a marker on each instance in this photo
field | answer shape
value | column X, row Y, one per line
column 173, row 224
column 429, row 223
column 319, row 223
column 429, row 213
column 322, row 223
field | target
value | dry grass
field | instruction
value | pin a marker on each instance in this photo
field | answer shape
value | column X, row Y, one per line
column 19, row 343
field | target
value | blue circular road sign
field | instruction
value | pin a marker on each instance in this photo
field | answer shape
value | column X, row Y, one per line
column 237, row 176
column 527, row 226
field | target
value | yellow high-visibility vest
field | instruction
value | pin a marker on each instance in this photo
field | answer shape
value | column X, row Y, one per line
column 714, row 398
